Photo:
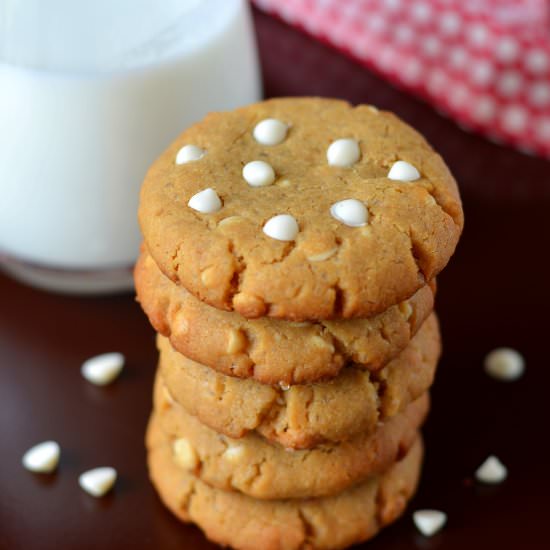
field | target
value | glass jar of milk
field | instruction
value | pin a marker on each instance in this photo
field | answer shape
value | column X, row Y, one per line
column 90, row 94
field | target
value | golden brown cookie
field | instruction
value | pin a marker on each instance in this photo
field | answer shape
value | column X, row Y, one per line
column 303, row 415
column 260, row 469
column 213, row 223
column 270, row 350
column 244, row 523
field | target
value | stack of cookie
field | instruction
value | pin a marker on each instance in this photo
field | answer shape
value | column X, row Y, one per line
column 289, row 265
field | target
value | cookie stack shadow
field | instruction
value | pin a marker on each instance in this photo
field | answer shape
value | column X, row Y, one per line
column 293, row 432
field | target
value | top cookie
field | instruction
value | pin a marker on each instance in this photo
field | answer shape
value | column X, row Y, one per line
column 302, row 209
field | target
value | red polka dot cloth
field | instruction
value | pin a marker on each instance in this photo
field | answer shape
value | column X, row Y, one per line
column 485, row 63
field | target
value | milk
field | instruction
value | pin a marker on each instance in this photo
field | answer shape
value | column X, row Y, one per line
column 90, row 94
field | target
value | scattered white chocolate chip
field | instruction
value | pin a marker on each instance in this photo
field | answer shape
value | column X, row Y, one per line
column 189, row 153
column 270, row 131
column 258, row 173
column 350, row 212
column 205, row 201
column 98, row 481
column 284, row 386
column 504, row 364
column 102, row 369
column 492, row 471
column 282, row 227
column 184, row 454
column 343, row 152
column 429, row 522
column 42, row 458
column 403, row 171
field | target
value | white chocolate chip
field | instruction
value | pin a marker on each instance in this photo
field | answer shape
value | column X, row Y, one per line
column 282, row 227
column 270, row 131
column 343, row 152
column 236, row 341
column 403, row 171
column 492, row 471
column 406, row 309
column 429, row 522
column 504, row 364
column 350, row 212
column 284, row 386
column 184, row 454
column 233, row 453
column 205, row 201
column 322, row 256
column 102, row 369
column 42, row 458
column 189, row 153
column 258, row 173
column 98, row 481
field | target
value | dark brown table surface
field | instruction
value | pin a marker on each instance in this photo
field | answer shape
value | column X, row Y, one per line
column 496, row 291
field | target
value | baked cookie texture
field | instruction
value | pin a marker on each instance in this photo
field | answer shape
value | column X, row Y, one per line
column 244, row 523
column 303, row 416
column 270, row 350
column 329, row 270
column 262, row 470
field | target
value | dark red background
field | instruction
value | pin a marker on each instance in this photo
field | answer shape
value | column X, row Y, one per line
column 495, row 292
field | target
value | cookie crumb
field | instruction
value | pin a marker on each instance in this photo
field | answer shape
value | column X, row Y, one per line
column 403, row 171
column 189, row 153
column 206, row 201
column 343, row 152
column 350, row 212
column 270, row 131
column 103, row 369
column 98, row 481
column 492, row 471
column 258, row 173
column 504, row 364
column 42, row 458
column 429, row 522
column 282, row 227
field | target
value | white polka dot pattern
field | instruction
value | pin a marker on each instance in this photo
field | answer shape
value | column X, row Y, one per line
column 488, row 72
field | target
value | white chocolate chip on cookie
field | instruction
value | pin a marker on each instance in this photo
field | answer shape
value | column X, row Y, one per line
column 270, row 131
column 258, row 173
column 184, row 454
column 343, row 152
column 350, row 212
column 403, row 171
column 206, row 201
column 282, row 227
column 189, row 153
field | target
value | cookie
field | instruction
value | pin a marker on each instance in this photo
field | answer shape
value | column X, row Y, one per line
column 260, row 469
column 348, row 214
column 303, row 416
column 244, row 523
column 270, row 350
